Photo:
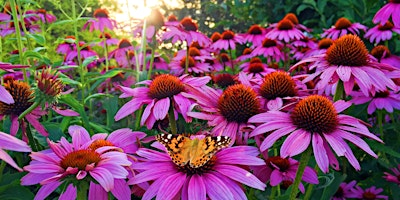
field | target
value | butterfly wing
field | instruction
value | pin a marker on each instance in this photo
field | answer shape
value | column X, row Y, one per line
column 178, row 147
column 206, row 148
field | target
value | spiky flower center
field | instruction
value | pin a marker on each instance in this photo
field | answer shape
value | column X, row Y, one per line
column 224, row 80
column 227, row 35
column 188, row 24
column 22, row 95
column 172, row 18
column 388, row 26
column 238, row 103
column 256, row 68
column 200, row 170
column 247, row 51
column 278, row 84
column 105, row 35
column 342, row 23
column 348, row 50
column 325, row 43
column 192, row 62
column 369, row 195
column 193, row 51
column 100, row 13
column 100, row 143
column 123, row 43
column 255, row 60
column 382, row 94
column 224, row 57
column 285, row 24
column 215, row 36
column 48, row 83
column 268, row 43
column 292, row 17
column 255, row 30
column 165, row 85
column 80, row 159
column 380, row 51
column 282, row 163
column 315, row 114
column 196, row 45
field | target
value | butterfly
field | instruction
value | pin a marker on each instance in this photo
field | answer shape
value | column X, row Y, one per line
column 197, row 152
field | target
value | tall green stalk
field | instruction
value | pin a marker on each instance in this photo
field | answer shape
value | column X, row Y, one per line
column 339, row 94
column 305, row 158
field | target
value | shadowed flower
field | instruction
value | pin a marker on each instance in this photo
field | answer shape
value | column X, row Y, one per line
column 383, row 54
column 255, row 68
column 227, row 41
column 121, row 53
column 8, row 142
column 23, row 96
column 163, row 92
column 393, row 178
column 228, row 111
column 76, row 162
column 381, row 33
column 45, row 17
column 387, row 100
column 224, row 80
column 186, row 30
column 342, row 27
column 108, row 39
column 85, row 52
column 347, row 59
column 220, row 178
column 101, row 21
column 282, row 171
column 270, row 49
column 315, row 121
column 371, row 193
column 285, row 31
column 254, row 35
column 194, row 67
column 321, row 48
column 390, row 9
column 345, row 191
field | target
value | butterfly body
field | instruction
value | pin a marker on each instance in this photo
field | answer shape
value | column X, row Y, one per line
column 195, row 152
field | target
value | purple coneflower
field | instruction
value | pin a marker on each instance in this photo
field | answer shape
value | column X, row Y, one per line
column 163, row 92
column 282, row 171
column 390, row 9
column 45, row 17
column 121, row 53
column 270, row 49
column 255, row 35
column 220, row 178
column 255, row 69
column 77, row 162
column 246, row 54
column 5, row 96
column 228, row 111
column 67, row 46
column 347, row 59
column 393, row 178
column 381, row 32
column 345, row 191
column 383, row 55
column 23, row 96
column 285, row 31
column 194, row 67
column 85, row 52
column 321, row 48
column 186, row 30
column 227, row 41
column 108, row 39
column 342, row 27
column 387, row 100
column 101, row 21
column 315, row 121
column 371, row 193
column 31, row 28
column 8, row 142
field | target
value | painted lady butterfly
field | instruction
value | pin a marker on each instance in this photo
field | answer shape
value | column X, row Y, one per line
column 197, row 152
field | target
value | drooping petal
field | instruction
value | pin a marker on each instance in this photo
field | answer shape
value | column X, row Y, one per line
column 104, row 177
column 46, row 190
column 319, row 153
column 69, row 193
column 240, row 175
column 216, row 188
column 196, row 188
column 171, row 186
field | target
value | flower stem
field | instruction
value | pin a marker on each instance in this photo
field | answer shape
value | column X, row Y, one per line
column 31, row 139
column 310, row 186
column 231, row 59
column 171, row 117
column 305, row 157
column 138, row 117
column 151, row 63
column 19, row 37
column 187, row 58
column 82, row 191
column 339, row 94
column 143, row 46
column 30, row 109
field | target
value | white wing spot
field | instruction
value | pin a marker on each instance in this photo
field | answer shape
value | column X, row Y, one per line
column 169, row 136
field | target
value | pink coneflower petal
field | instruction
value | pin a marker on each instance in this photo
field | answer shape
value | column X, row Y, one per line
column 171, row 186
column 161, row 107
column 216, row 189
column 295, row 143
column 70, row 193
column 198, row 189
column 5, row 96
column 104, row 177
column 319, row 153
column 45, row 190
column 240, row 175
column 273, row 137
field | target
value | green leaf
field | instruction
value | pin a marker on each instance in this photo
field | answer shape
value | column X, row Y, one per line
column 54, row 130
column 60, row 23
column 99, row 128
column 65, row 123
column 97, row 95
column 89, row 60
column 111, row 106
column 38, row 38
column 321, row 4
column 333, row 186
column 71, row 101
column 32, row 54
column 37, row 49
column 109, row 74
column 383, row 148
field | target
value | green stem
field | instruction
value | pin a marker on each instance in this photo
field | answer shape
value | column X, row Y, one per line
column 82, row 191
column 171, row 117
column 138, row 117
column 143, row 46
column 339, row 94
column 30, row 109
column 78, row 49
column 24, row 28
column 231, row 59
column 310, row 186
column 2, row 166
column 32, row 141
column 273, row 192
column 187, row 59
column 19, row 37
column 151, row 63
column 305, row 157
